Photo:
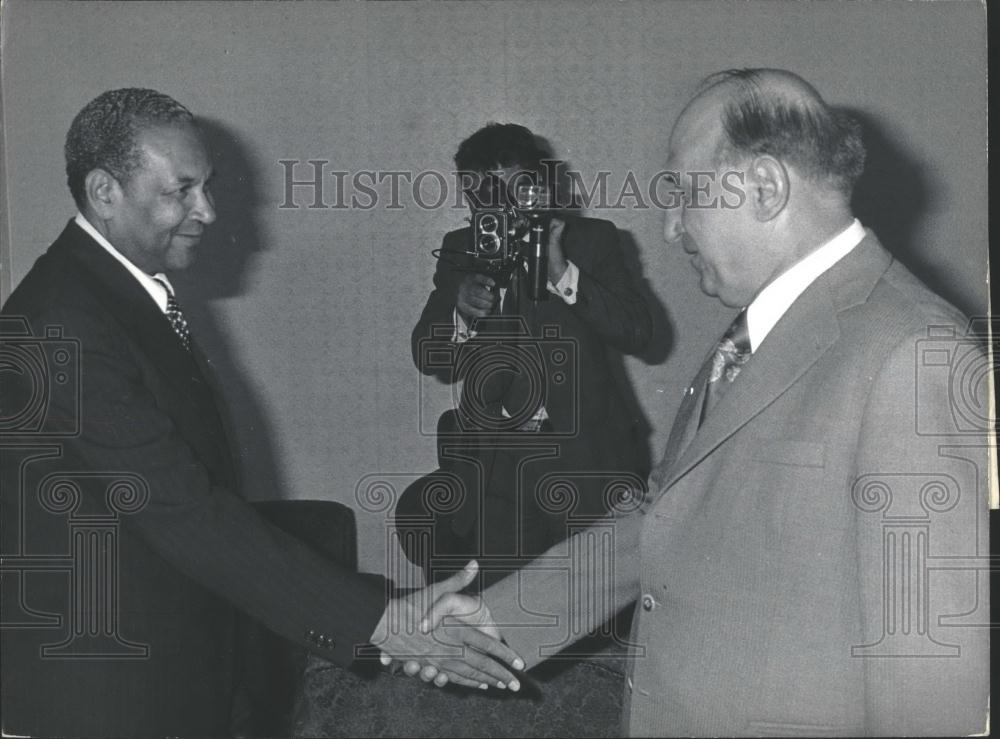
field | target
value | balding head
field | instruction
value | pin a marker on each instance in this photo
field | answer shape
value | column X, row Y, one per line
column 777, row 113
column 766, row 169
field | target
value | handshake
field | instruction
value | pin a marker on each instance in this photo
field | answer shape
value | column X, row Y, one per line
column 447, row 637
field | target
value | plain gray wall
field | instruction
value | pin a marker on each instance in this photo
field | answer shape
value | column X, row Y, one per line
column 308, row 312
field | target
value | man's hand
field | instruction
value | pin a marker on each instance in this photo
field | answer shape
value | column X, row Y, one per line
column 557, row 260
column 453, row 608
column 477, row 295
column 460, row 651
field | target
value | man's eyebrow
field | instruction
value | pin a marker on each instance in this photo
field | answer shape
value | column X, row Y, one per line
column 188, row 179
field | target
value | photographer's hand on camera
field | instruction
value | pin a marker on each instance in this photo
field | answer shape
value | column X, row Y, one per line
column 557, row 260
column 477, row 296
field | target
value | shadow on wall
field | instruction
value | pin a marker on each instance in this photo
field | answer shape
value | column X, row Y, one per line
column 225, row 261
column 891, row 198
column 656, row 352
column 663, row 331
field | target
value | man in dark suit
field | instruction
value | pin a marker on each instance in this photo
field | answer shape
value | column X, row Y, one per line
column 110, row 422
column 540, row 433
column 810, row 556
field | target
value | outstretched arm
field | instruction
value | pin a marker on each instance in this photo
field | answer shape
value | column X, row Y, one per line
column 533, row 608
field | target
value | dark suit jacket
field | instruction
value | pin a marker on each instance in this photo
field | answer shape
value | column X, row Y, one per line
column 806, row 564
column 569, row 368
column 192, row 550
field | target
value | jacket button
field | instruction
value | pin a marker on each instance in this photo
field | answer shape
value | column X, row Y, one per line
column 311, row 635
column 648, row 603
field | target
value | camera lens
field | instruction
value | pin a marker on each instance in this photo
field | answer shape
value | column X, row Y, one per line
column 528, row 196
column 489, row 244
column 488, row 223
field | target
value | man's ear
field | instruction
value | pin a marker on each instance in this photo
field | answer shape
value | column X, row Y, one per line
column 769, row 187
column 103, row 192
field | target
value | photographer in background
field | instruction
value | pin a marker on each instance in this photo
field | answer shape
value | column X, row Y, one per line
column 540, row 432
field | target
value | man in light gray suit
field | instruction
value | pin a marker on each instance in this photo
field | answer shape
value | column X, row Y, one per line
column 809, row 558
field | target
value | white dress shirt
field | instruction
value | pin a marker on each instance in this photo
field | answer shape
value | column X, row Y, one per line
column 774, row 300
column 149, row 282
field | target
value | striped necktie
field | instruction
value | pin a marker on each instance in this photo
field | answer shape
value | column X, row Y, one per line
column 176, row 317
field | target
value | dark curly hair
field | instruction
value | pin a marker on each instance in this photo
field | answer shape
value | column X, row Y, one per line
column 103, row 135
column 824, row 143
column 500, row 145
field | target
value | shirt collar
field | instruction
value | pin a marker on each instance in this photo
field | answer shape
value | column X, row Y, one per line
column 776, row 298
column 150, row 283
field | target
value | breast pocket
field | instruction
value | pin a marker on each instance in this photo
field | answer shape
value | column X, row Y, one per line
column 786, row 480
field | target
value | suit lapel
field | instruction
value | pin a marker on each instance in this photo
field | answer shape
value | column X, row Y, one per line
column 126, row 299
column 803, row 335
column 684, row 427
column 196, row 414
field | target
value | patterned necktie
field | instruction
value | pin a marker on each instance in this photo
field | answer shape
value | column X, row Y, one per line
column 730, row 355
column 712, row 380
column 177, row 320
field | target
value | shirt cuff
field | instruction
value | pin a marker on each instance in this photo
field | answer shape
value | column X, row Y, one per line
column 566, row 287
column 462, row 331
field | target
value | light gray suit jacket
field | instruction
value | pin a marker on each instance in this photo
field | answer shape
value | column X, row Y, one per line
column 812, row 561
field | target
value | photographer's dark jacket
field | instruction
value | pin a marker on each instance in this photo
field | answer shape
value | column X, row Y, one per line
column 138, row 407
column 570, row 344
